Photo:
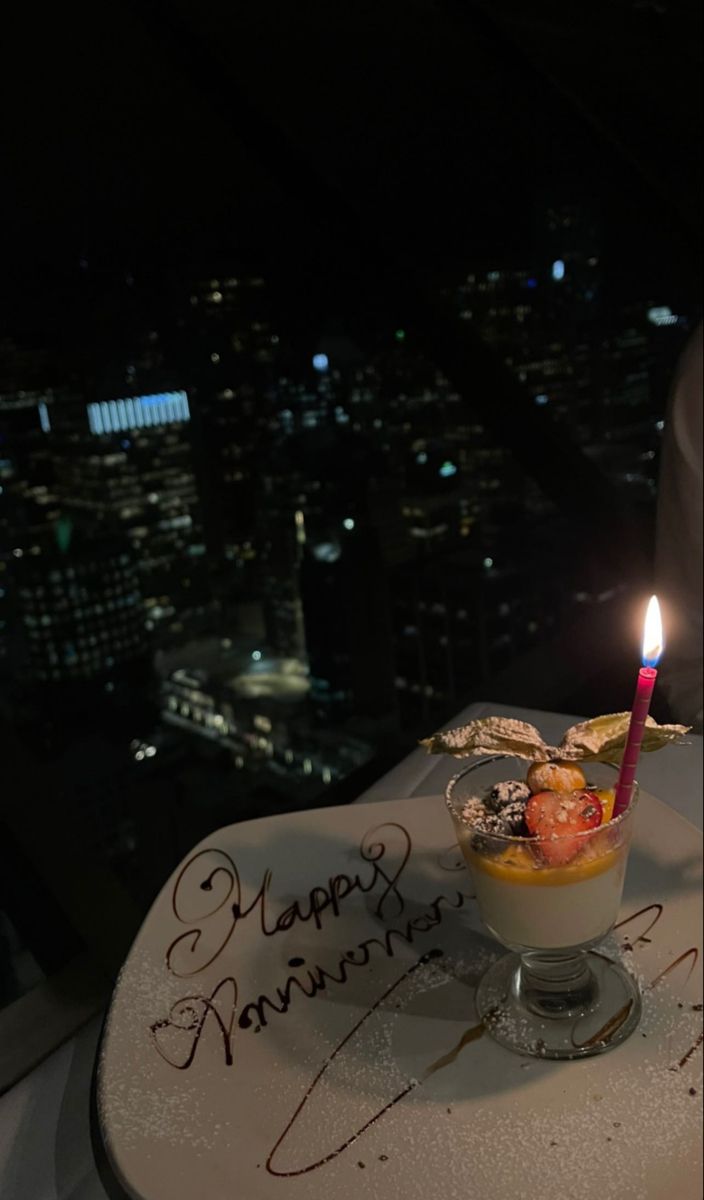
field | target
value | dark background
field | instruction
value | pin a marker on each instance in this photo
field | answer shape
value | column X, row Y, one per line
column 431, row 125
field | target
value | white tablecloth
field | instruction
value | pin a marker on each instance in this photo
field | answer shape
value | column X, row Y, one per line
column 45, row 1147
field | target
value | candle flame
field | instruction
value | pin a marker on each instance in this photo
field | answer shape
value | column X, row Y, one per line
column 652, row 634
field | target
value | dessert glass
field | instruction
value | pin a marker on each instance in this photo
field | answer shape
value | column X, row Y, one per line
column 554, row 995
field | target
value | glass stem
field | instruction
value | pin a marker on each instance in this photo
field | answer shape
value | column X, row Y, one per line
column 556, row 984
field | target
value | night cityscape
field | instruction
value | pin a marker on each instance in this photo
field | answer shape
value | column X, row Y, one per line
column 276, row 501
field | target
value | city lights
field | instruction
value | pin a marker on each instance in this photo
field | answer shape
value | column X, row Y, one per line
column 138, row 412
column 234, row 498
column 662, row 315
column 44, row 420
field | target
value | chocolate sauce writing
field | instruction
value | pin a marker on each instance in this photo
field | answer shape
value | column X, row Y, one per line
column 229, row 907
column 177, row 1035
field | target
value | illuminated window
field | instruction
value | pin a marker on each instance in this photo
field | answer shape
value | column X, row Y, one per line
column 136, row 412
column 662, row 315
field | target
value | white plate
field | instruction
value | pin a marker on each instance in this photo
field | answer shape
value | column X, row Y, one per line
column 331, row 1098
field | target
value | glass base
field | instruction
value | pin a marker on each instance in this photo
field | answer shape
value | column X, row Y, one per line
column 558, row 1005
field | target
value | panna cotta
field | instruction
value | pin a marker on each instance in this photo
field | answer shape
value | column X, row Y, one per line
column 547, row 866
column 528, row 905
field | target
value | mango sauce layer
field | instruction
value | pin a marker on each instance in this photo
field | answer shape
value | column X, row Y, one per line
column 517, row 865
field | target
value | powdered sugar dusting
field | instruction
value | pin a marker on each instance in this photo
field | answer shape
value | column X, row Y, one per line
column 622, row 1126
column 139, row 1105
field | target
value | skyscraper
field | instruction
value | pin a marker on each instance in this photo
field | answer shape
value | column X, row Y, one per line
column 347, row 614
column 80, row 611
column 129, row 471
column 569, row 244
column 27, row 502
column 225, row 346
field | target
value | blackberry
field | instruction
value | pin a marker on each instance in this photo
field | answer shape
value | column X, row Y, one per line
column 512, row 816
column 493, row 823
column 490, row 823
column 508, row 792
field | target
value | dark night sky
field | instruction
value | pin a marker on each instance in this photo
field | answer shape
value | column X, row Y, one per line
column 134, row 148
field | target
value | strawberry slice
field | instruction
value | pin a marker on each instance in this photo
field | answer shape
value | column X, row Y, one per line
column 554, row 817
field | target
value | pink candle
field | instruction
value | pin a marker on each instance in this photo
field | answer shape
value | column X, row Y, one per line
column 652, row 649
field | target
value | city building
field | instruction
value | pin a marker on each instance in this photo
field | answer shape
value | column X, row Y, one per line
column 600, row 370
column 125, row 466
column 79, row 611
column 28, row 504
column 224, row 344
column 254, row 709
